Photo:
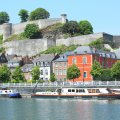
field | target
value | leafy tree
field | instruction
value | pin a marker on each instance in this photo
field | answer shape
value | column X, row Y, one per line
column 85, row 27
column 23, row 15
column 35, row 73
column 39, row 13
column 96, row 71
column 4, row 74
column 115, row 71
column 17, row 75
column 4, row 17
column 106, row 75
column 73, row 72
column 52, row 77
column 71, row 28
column 32, row 31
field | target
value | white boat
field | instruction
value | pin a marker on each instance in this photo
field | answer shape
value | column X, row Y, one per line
column 4, row 92
column 78, row 93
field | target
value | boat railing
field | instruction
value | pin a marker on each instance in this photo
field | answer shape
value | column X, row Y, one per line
column 62, row 84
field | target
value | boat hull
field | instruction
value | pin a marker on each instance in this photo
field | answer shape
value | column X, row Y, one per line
column 104, row 96
column 15, row 95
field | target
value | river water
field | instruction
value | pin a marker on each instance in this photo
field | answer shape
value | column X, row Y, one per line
column 53, row 109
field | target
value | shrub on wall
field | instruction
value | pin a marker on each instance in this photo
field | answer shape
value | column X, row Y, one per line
column 71, row 28
column 32, row 31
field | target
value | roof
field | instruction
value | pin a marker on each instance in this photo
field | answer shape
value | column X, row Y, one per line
column 15, row 59
column 27, row 67
column 44, row 57
column 117, row 52
column 92, row 50
column 10, row 57
column 63, row 57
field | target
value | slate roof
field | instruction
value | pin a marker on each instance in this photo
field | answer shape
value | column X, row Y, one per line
column 117, row 52
column 10, row 57
column 91, row 50
column 44, row 58
column 16, row 59
column 27, row 67
column 63, row 57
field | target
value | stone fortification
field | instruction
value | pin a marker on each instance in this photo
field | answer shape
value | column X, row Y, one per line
column 116, row 40
column 34, row 46
column 84, row 39
column 28, row 47
column 9, row 29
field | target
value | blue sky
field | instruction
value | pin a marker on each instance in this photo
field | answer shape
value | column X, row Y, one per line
column 104, row 15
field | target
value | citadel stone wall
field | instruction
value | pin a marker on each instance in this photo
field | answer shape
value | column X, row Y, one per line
column 81, row 40
column 9, row 29
column 34, row 46
column 28, row 47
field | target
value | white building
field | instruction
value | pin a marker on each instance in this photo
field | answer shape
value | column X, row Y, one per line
column 45, row 63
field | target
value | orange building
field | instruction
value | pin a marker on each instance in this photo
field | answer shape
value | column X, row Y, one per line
column 84, row 56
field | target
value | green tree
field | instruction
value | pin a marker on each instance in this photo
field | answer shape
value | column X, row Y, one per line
column 4, row 74
column 73, row 72
column 23, row 15
column 106, row 75
column 71, row 28
column 115, row 71
column 85, row 27
column 4, row 17
column 96, row 71
column 35, row 73
column 17, row 75
column 39, row 13
column 52, row 77
column 32, row 31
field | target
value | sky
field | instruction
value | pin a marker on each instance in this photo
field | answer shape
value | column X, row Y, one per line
column 104, row 15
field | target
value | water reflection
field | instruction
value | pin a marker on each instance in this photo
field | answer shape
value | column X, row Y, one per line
column 40, row 109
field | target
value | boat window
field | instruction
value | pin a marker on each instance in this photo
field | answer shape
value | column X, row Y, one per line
column 5, row 91
column 81, row 90
column 89, row 90
column 97, row 91
column 93, row 90
column 73, row 90
column 77, row 90
column 69, row 90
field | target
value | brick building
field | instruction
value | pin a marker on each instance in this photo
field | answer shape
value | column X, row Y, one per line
column 84, row 56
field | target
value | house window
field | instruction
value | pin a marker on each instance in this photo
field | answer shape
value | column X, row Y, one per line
column 56, row 72
column 84, row 60
column 41, row 72
column 60, row 72
column 85, row 74
column 46, row 72
column 64, row 72
column 74, row 60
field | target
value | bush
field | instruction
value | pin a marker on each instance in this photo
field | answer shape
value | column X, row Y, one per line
column 32, row 31
column 17, row 37
column 39, row 13
column 71, row 28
